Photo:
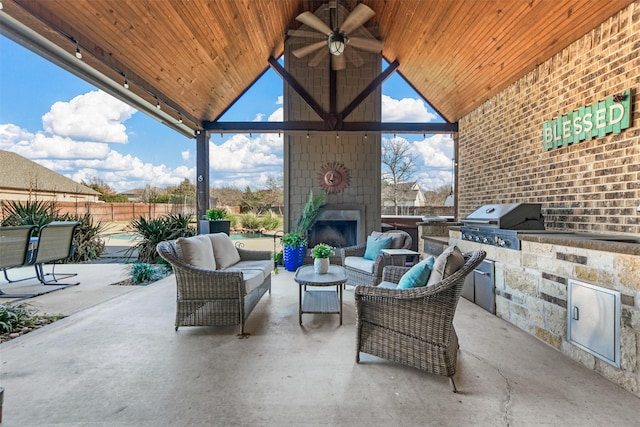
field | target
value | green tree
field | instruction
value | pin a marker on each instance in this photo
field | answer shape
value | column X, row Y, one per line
column 107, row 194
column 185, row 193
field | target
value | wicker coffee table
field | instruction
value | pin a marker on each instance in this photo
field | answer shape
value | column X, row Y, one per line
column 320, row 301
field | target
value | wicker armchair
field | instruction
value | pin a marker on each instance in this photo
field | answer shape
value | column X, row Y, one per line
column 413, row 327
column 214, row 297
column 357, row 276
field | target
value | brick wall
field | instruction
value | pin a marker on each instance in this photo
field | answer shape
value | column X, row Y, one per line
column 591, row 186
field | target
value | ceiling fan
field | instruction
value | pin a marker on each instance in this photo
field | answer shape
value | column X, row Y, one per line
column 336, row 41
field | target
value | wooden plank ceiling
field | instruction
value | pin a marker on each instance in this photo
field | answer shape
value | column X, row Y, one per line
column 197, row 57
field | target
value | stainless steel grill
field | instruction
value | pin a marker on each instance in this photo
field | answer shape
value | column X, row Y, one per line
column 498, row 225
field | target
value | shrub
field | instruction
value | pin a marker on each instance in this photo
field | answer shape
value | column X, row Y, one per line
column 154, row 231
column 143, row 273
column 251, row 221
column 271, row 221
column 88, row 243
column 15, row 316
column 30, row 212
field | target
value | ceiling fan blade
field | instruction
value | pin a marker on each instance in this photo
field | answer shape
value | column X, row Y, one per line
column 338, row 62
column 308, row 34
column 318, row 57
column 314, row 22
column 370, row 45
column 358, row 16
column 353, row 57
column 304, row 51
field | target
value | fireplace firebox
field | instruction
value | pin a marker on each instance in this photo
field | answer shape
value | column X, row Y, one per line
column 336, row 227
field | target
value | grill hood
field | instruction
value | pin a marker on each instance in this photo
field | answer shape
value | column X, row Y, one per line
column 510, row 216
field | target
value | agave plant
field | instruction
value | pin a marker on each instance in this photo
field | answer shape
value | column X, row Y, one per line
column 156, row 230
column 30, row 212
column 87, row 240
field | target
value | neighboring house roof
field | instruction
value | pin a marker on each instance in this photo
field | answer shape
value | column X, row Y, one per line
column 20, row 173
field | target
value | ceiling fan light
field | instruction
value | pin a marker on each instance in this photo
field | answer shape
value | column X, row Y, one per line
column 337, row 42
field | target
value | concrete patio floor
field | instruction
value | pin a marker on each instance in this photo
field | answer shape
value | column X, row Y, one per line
column 117, row 360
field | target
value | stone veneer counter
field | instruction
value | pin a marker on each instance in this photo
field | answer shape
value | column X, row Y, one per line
column 598, row 242
column 531, row 290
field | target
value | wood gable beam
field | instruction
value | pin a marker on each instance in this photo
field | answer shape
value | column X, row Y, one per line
column 331, row 121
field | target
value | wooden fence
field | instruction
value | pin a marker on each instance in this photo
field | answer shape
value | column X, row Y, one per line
column 102, row 211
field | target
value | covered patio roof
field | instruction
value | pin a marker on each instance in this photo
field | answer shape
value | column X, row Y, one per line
column 185, row 62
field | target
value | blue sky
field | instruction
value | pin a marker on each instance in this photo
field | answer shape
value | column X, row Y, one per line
column 52, row 117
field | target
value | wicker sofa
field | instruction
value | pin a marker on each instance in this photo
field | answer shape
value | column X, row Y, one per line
column 362, row 271
column 217, row 283
column 413, row 327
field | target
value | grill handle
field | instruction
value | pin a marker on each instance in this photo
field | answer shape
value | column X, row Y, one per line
column 479, row 221
column 482, row 273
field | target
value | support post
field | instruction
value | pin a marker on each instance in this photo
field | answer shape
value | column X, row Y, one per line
column 202, row 174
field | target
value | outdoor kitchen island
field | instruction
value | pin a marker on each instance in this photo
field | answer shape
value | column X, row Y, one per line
column 533, row 288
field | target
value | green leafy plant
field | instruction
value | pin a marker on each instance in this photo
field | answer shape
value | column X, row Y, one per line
column 310, row 212
column 293, row 239
column 215, row 214
column 322, row 250
column 89, row 245
column 14, row 316
column 271, row 221
column 143, row 273
column 251, row 221
column 30, row 212
column 154, row 231
column 278, row 258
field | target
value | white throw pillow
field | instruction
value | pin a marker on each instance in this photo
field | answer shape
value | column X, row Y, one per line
column 197, row 251
column 224, row 250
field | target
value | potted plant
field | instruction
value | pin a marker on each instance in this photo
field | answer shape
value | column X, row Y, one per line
column 294, row 247
column 321, row 253
column 295, row 243
column 215, row 221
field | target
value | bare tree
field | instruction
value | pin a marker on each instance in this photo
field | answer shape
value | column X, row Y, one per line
column 398, row 165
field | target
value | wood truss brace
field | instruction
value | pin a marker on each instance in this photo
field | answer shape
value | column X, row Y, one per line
column 331, row 120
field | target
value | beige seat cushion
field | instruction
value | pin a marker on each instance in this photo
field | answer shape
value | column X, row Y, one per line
column 360, row 263
column 224, row 250
column 197, row 251
column 447, row 263
column 397, row 239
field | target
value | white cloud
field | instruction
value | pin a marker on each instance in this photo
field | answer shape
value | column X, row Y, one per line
column 280, row 100
column 258, row 117
column 186, row 155
column 405, row 110
column 276, row 116
column 95, row 116
column 436, row 151
column 81, row 160
column 241, row 153
column 12, row 137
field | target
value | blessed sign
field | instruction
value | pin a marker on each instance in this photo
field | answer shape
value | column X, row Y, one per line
column 598, row 119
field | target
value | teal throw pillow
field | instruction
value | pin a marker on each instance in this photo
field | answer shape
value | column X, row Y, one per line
column 374, row 245
column 418, row 275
